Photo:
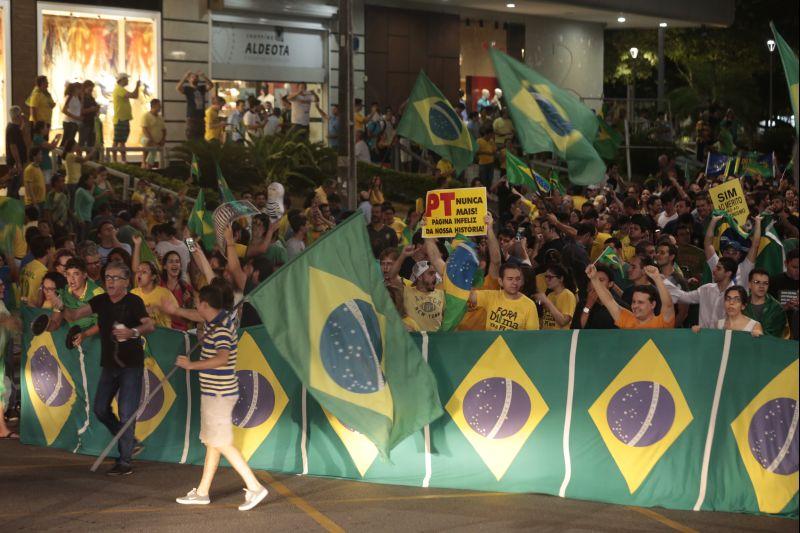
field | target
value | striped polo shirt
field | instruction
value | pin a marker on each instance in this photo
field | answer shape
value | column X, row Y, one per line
column 220, row 334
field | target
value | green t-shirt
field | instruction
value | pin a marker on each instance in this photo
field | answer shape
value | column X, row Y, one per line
column 84, row 201
column 277, row 253
column 74, row 302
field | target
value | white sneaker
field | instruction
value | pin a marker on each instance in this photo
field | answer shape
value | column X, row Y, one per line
column 253, row 498
column 192, row 498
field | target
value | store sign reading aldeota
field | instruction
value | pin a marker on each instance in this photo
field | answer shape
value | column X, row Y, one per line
column 236, row 45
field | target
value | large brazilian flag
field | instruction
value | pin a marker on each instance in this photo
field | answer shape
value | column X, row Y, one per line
column 331, row 318
column 550, row 119
column 790, row 68
column 431, row 121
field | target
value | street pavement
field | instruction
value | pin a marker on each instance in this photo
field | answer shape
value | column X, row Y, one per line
column 46, row 489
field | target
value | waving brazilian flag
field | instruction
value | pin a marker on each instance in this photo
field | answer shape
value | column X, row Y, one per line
column 200, row 222
column 194, row 169
column 224, row 190
column 607, row 141
column 340, row 332
column 550, row 119
column 791, row 68
column 518, row 172
column 430, row 120
column 462, row 265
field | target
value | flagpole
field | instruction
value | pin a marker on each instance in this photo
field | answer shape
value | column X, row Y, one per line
column 628, row 148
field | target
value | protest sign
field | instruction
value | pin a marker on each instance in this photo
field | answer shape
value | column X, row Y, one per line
column 729, row 197
column 449, row 212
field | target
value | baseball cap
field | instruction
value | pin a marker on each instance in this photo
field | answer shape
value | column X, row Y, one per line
column 420, row 268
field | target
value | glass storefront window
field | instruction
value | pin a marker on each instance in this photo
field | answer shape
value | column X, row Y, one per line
column 96, row 44
column 232, row 90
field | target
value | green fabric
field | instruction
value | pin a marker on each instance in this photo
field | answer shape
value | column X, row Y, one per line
column 12, row 218
column 277, row 253
column 430, row 120
column 84, row 201
column 339, row 330
column 518, row 172
column 194, row 170
column 771, row 257
column 773, row 317
column 726, row 145
column 460, row 275
column 608, row 140
column 529, row 451
column 200, row 222
column 550, row 119
column 609, row 257
column 57, row 204
column 224, row 190
column 790, row 68
column 73, row 302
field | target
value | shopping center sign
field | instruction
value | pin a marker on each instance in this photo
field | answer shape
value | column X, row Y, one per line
column 235, row 47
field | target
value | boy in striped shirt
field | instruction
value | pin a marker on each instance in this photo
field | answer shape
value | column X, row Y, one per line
column 219, row 389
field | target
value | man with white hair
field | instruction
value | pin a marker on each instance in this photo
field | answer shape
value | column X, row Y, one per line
column 123, row 113
column 484, row 101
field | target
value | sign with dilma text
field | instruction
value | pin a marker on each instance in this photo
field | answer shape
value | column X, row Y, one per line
column 729, row 197
column 449, row 212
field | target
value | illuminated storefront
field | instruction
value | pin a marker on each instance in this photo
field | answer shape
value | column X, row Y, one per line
column 77, row 43
column 5, row 69
column 248, row 56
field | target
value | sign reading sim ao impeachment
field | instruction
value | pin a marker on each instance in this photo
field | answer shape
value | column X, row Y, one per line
column 729, row 197
column 449, row 212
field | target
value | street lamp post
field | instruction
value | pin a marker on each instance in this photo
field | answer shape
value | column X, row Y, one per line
column 771, row 48
column 631, row 97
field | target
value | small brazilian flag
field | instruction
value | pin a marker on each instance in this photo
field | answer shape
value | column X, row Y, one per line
column 550, row 119
column 12, row 218
column 224, row 190
column 719, row 164
column 555, row 183
column 339, row 331
column 200, row 222
column 432, row 122
column 194, row 170
column 518, row 172
column 462, row 265
column 609, row 257
column 790, row 68
column 607, row 141
column 146, row 254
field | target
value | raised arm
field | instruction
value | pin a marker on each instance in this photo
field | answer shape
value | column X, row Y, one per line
column 398, row 263
column 667, row 307
column 179, row 86
column 493, row 247
column 234, row 266
column 137, row 250
column 755, row 241
column 602, row 293
column 708, row 241
column 564, row 228
column 434, row 256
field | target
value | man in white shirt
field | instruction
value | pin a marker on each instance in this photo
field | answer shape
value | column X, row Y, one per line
column 273, row 121
column 710, row 296
column 731, row 249
column 296, row 244
column 362, row 149
column 252, row 122
column 301, row 107
column 236, row 123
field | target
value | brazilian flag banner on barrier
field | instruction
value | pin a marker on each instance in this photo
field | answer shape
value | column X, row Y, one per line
column 432, row 122
column 341, row 333
column 550, row 119
column 669, row 418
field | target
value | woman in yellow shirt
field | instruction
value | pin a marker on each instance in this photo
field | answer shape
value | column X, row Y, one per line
column 152, row 294
column 558, row 306
column 376, row 191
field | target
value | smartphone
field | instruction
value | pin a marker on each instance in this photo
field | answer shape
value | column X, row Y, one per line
column 190, row 244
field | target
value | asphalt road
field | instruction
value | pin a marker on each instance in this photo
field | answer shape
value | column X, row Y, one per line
column 44, row 489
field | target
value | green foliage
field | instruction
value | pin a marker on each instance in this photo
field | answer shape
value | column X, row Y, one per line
column 398, row 186
column 283, row 157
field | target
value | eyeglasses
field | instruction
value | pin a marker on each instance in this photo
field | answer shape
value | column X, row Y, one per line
column 760, row 283
column 115, row 278
column 48, row 289
column 734, row 299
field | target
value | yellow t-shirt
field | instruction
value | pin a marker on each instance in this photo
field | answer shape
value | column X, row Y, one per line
column 376, row 196
column 73, row 169
column 398, row 226
column 598, row 245
column 30, row 279
column 122, row 106
column 155, row 297
column 20, row 246
column 486, row 151
column 475, row 319
column 155, row 126
column 321, row 196
column 42, row 104
column 503, row 313
column 424, row 308
column 578, row 201
column 359, row 120
column 35, row 188
column 213, row 125
column 445, row 168
column 565, row 302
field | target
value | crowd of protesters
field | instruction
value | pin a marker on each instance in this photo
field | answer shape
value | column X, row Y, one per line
column 538, row 256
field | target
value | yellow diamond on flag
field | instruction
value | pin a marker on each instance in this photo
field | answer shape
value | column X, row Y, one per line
column 536, row 101
column 361, row 449
column 261, row 401
column 640, row 414
column 443, row 124
column 346, row 337
column 154, row 412
column 497, row 407
column 766, row 434
column 50, row 387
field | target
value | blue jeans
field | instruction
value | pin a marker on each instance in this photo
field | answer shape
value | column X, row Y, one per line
column 128, row 382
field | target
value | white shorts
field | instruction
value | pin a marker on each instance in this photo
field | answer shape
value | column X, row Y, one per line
column 216, row 422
